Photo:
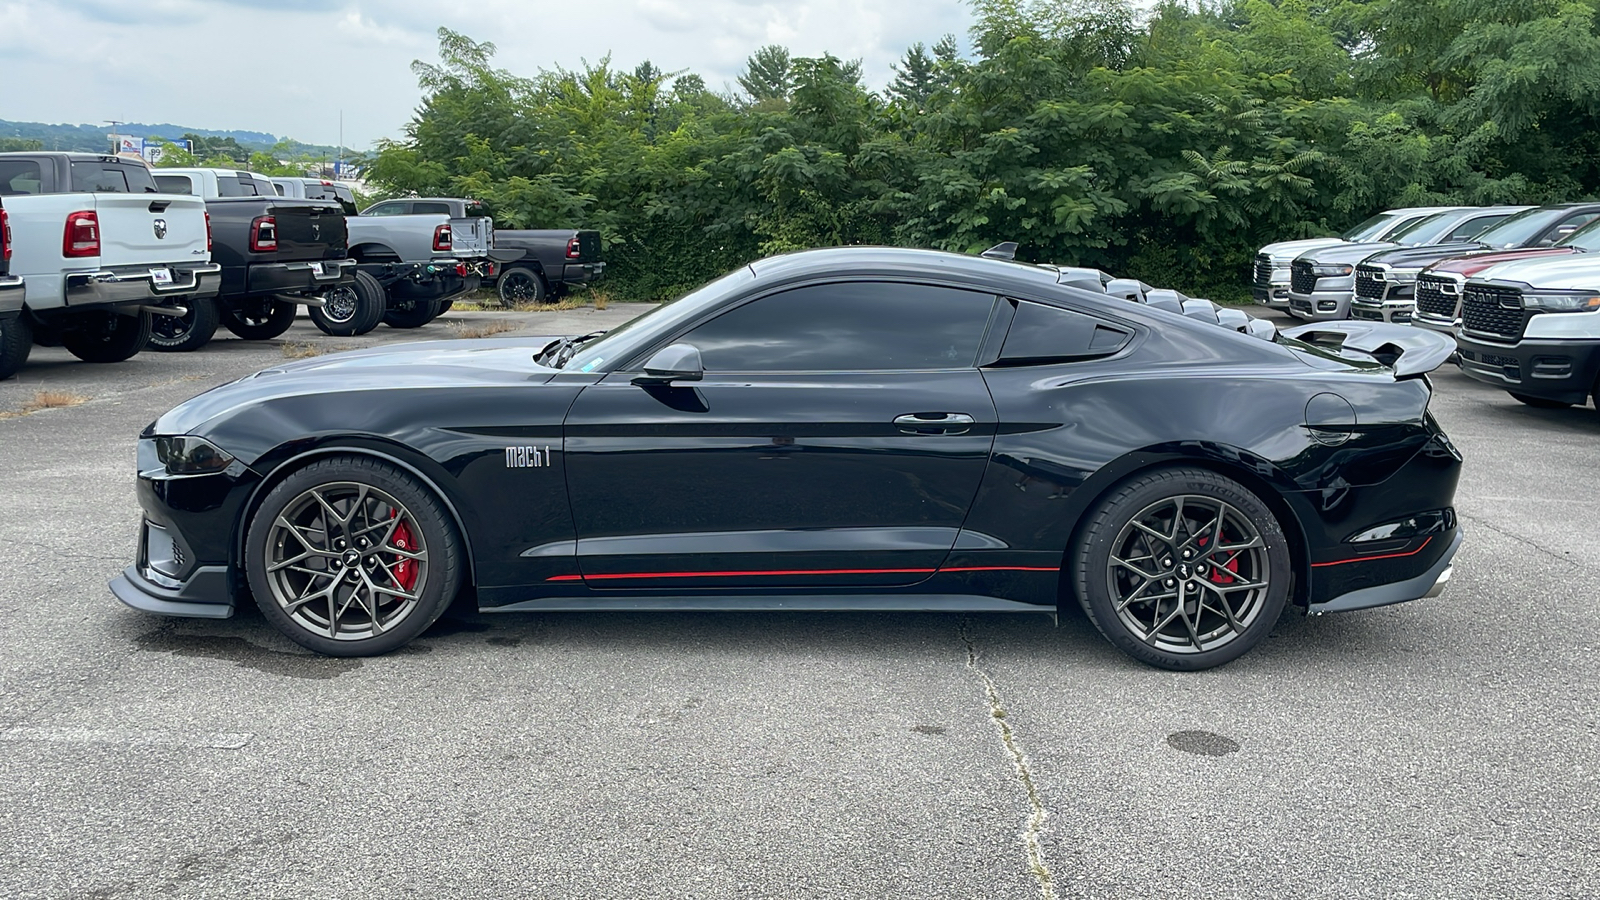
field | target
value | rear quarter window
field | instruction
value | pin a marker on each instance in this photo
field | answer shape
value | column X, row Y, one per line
column 99, row 178
column 431, row 208
column 174, row 184
column 20, row 176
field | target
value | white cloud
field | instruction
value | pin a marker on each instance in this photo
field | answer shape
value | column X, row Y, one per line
column 290, row 69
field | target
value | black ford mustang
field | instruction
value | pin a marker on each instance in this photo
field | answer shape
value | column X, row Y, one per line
column 863, row 429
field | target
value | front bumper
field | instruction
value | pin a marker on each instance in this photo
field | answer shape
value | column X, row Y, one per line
column 207, row 594
column 298, row 277
column 1440, row 325
column 1563, row 371
column 10, row 295
column 1321, row 306
column 137, row 284
column 1396, row 311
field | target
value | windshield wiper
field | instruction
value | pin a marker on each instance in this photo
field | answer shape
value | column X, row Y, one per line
column 559, row 351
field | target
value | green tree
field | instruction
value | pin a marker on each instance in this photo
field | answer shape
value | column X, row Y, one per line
column 767, row 74
column 916, row 77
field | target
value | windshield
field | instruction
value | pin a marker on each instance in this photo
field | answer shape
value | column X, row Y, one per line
column 1371, row 228
column 622, row 342
column 1518, row 229
column 1586, row 238
column 1425, row 230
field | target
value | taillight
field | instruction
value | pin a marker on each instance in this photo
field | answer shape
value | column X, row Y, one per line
column 5, row 236
column 461, row 269
column 573, row 250
column 208, row 232
column 441, row 238
column 82, row 237
column 264, row 234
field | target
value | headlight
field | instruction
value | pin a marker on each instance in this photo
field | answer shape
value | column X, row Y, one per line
column 1331, row 271
column 1398, row 276
column 1577, row 302
column 189, row 455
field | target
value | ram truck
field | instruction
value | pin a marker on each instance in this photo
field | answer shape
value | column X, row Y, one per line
column 102, row 252
column 1386, row 282
column 1532, row 327
column 553, row 261
column 1270, row 273
column 10, row 303
column 276, row 253
column 422, row 259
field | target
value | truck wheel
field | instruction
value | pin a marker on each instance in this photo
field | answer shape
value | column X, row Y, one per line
column 411, row 313
column 103, row 337
column 346, row 310
column 520, row 284
column 180, row 334
column 16, row 342
column 259, row 320
column 1539, row 402
column 375, row 301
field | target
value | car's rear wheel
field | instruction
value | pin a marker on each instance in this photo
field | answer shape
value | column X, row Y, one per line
column 103, row 337
column 520, row 284
column 411, row 313
column 374, row 299
column 180, row 334
column 1538, row 402
column 1183, row 569
column 346, row 310
column 16, row 342
column 351, row 556
column 258, row 319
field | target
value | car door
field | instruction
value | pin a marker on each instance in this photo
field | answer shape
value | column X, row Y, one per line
column 837, row 438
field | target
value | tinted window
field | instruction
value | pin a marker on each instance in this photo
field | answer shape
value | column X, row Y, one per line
column 20, row 176
column 278, row 188
column 1568, row 225
column 382, row 209
column 1471, row 228
column 174, row 184
column 228, row 186
column 1371, row 227
column 1586, row 238
column 1045, row 334
column 1519, row 229
column 847, row 327
column 430, row 207
column 98, row 177
column 1418, row 232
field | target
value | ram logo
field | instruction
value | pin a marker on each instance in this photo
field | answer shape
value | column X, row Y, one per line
column 161, row 229
column 527, row 457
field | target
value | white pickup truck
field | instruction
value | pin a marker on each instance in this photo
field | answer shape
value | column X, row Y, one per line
column 100, row 250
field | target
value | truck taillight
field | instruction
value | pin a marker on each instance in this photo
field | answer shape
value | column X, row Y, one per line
column 82, row 236
column 208, row 232
column 573, row 249
column 441, row 238
column 264, row 234
column 5, row 236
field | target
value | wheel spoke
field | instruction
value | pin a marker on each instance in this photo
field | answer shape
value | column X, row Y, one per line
column 1188, row 624
column 1150, row 576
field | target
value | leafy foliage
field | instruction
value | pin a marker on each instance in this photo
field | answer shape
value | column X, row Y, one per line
column 1163, row 143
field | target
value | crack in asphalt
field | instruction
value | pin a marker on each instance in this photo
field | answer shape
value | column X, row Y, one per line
column 1019, row 763
column 1475, row 520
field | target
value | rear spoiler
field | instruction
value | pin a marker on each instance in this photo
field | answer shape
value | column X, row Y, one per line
column 1410, row 352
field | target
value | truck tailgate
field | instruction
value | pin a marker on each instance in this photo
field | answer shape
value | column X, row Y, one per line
column 309, row 230
column 151, row 229
column 472, row 237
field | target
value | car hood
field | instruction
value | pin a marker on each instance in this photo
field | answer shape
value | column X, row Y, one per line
column 1345, row 252
column 1473, row 263
column 1418, row 257
column 1284, row 251
column 1577, row 272
column 427, row 364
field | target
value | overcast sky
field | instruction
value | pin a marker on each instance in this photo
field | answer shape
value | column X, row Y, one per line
column 288, row 67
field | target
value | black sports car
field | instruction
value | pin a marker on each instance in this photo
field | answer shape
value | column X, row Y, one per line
column 861, row 428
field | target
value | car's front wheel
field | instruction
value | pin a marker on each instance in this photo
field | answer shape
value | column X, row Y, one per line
column 351, row 556
column 1183, row 569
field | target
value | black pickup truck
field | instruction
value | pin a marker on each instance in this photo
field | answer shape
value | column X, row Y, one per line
column 276, row 253
column 553, row 260
column 15, row 343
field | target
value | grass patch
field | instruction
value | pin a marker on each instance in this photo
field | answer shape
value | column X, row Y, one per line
column 483, row 329
column 46, row 400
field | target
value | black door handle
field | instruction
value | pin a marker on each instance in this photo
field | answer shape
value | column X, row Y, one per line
column 934, row 423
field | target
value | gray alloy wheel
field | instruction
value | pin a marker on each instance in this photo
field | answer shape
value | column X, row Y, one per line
column 351, row 557
column 344, row 311
column 191, row 331
column 520, row 284
column 1184, row 569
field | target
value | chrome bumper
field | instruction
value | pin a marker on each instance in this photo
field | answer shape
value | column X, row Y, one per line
column 10, row 295
column 138, row 285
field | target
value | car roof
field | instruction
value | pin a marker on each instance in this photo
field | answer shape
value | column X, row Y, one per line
column 905, row 262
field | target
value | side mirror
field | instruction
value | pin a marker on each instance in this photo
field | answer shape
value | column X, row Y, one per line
column 678, row 362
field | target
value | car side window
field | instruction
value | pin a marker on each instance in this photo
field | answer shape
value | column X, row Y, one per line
column 392, row 208
column 20, row 176
column 98, row 178
column 174, row 184
column 1568, row 225
column 847, row 326
column 1043, row 335
column 432, row 208
column 1471, row 228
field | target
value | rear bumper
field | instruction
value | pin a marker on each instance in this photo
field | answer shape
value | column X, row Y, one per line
column 1430, row 583
column 582, row 273
column 298, row 277
column 1563, row 371
column 129, row 284
column 1322, row 306
column 10, row 295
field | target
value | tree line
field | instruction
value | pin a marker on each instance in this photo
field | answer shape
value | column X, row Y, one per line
column 1166, row 143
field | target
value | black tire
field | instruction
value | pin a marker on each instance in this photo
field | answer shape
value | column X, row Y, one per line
column 103, row 337
column 301, row 600
column 1209, row 628
column 258, row 319
column 446, row 307
column 412, row 313
column 521, row 284
column 346, row 310
column 181, row 334
column 1538, row 402
column 374, row 301
column 16, row 342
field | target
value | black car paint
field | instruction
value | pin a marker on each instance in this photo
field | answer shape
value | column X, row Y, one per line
column 645, row 490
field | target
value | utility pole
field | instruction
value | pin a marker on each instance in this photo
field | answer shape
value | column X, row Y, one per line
column 113, row 123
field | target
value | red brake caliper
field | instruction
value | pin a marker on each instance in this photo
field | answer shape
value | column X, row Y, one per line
column 1218, row 575
column 405, row 571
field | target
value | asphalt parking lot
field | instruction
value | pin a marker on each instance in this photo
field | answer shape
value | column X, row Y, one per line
column 1443, row 748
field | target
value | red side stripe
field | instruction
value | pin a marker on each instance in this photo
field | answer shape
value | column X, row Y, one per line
column 625, row 575
column 1340, row 562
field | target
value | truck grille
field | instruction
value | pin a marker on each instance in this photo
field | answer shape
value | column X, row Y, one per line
column 1432, row 300
column 1368, row 283
column 1494, row 311
column 1263, row 272
column 1301, row 280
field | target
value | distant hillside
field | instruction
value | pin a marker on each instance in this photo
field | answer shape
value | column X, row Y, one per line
column 92, row 138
